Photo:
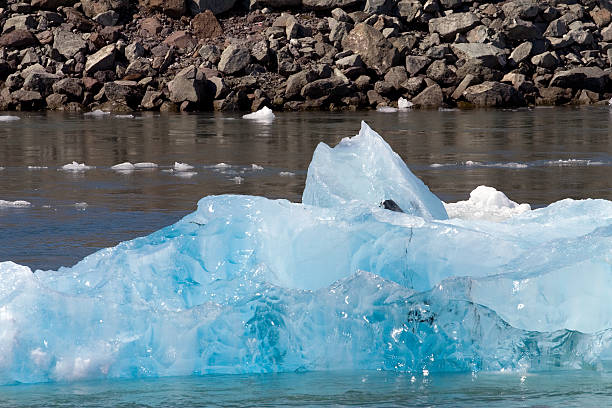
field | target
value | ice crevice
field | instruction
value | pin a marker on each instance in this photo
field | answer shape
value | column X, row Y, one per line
column 246, row 284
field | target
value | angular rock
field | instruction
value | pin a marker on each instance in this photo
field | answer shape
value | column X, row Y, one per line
column 333, row 86
column 453, row 24
column 172, row 8
column 216, row 6
column 328, row 4
column 102, row 60
column 108, row 18
column 18, row 39
column 72, row 87
column 467, row 81
column 521, row 30
column 430, row 97
column 553, row 96
column 296, row 82
column 20, row 22
column 133, row 51
column 378, row 6
column 416, row 64
column 375, row 50
column 68, row 43
column 440, row 72
column 556, row 28
column 56, row 101
column 40, row 82
column 152, row 99
column 409, row 9
column 487, row 54
column 546, row 60
column 601, row 17
column 188, row 85
column 492, row 94
column 51, row 4
column 91, row 8
column 524, row 9
column 180, row 39
column 591, row 78
column 521, row 53
column 151, row 25
column 396, row 76
column 234, row 59
column 205, row 25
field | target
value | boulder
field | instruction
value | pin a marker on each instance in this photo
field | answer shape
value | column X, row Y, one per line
column 521, row 30
column 72, row 87
column 453, row 24
column 133, row 51
column 521, row 53
column 396, row 76
column 188, row 85
column 152, row 99
column 546, row 60
column 487, row 54
column 328, row 4
column 102, row 60
column 409, row 9
column 374, row 49
column 68, row 43
column 20, row 22
column 205, row 25
column 18, row 39
column 492, row 94
column 40, row 81
column 440, row 72
column 553, row 96
column 234, row 59
column 591, row 78
column 416, row 64
column 180, row 39
column 379, row 6
column 333, row 86
column 216, row 6
column 108, row 18
column 524, row 9
column 91, row 8
column 121, row 91
column 172, row 8
column 56, row 101
column 150, row 26
column 51, row 4
column 296, row 82
column 430, row 97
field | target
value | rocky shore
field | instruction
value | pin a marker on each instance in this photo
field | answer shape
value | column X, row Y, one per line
column 198, row 55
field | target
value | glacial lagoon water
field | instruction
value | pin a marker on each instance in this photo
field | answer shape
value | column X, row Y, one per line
column 533, row 156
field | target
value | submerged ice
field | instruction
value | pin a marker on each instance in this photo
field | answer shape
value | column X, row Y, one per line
column 248, row 284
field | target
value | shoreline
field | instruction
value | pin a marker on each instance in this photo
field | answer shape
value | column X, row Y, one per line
column 166, row 56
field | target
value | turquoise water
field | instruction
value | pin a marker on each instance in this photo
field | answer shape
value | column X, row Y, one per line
column 355, row 389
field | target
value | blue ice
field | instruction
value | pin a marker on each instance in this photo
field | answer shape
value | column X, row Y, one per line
column 248, row 285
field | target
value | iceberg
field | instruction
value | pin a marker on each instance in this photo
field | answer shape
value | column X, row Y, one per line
column 76, row 167
column 264, row 115
column 125, row 166
column 247, row 284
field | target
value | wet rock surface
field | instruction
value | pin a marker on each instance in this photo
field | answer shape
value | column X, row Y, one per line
column 302, row 54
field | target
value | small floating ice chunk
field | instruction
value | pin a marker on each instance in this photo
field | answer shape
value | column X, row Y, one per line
column 145, row 165
column 8, row 118
column 126, row 166
column 486, row 203
column 472, row 163
column 256, row 167
column 265, row 114
column 124, row 116
column 1, row 168
column 182, row 166
column 403, row 103
column 286, row 174
column 238, row 180
column 97, row 113
column 74, row 166
column 81, row 206
column 185, row 174
column 14, row 204
column 37, row 167
column 222, row 165
column 610, row 101
column 386, row 109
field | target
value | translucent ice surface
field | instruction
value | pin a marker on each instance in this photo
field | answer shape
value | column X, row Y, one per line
column 247, row 284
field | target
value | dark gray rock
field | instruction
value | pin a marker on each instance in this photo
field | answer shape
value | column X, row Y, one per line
column 591, row 78
column 72, row 87
column 430, row 97
column 188, row 85
column 234, row 59
column 68, row 44
column 546, row 60
column 521, row 30
column 416, row 64
column 375, row 50
column 453, row 24
column 487, row 54
column 40, row 82
column 333, row 86
column 521, row 53
column 296, row 82
column 492, row 94
column 396, row 76
column 91, row 8
column 440, row 72
column 328, row 4
column 524, row 9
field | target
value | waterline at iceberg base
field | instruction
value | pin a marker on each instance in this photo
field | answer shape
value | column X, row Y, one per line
column 248, row 285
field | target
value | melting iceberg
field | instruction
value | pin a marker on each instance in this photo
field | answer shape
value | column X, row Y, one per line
column 248, row 284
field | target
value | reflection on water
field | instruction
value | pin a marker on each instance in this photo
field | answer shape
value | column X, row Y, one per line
column 534, row 156
column 315, row 389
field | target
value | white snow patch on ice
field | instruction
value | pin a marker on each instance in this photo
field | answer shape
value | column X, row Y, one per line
column 486, row 203
column 265, row 114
